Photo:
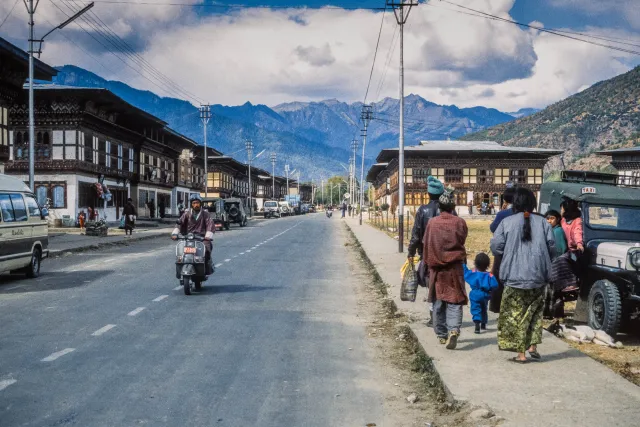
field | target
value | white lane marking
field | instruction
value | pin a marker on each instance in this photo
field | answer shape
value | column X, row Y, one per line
column 241, row 253
column 227, row 260
column 160, row 298
column 103, row 330
column 247, row 251
column 235, row 256
column 6, row 383
column 218, row 265
column 177, row 288
column 136, row 311
column 54, row 356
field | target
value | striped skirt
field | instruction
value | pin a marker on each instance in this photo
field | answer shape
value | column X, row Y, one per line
column 562, row 275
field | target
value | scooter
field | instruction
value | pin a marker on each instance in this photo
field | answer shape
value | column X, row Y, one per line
column 329, row 213
column 191, row 261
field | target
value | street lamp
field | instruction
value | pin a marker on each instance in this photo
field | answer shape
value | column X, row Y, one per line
column 205, row 116
column 249, row 146
column 31, row 10
column 273, row 175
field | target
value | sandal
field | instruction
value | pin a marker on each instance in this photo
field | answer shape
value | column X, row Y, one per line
column 442, row 340
column 534, row 354
column 516, row 360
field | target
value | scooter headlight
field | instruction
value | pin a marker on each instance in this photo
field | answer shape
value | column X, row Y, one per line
column 190, row 236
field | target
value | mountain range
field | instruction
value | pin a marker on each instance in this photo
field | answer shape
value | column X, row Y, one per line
column 313, row 137
column 603, row 116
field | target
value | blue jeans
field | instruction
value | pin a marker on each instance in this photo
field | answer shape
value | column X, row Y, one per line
column 447, row 317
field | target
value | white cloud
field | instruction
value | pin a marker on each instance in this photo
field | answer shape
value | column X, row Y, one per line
column 273, row 56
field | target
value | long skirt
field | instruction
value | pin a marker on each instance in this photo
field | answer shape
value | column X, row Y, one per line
column 520, row 321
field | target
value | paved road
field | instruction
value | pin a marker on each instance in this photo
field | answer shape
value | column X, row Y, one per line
column 105, row 338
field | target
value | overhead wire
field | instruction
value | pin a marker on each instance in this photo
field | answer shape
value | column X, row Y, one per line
column 227, row 6
column 9, row 14
column 375, row 55
column 120, row 43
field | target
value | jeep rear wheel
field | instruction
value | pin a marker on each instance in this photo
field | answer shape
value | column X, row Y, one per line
column 605, row 307
column 33, row 269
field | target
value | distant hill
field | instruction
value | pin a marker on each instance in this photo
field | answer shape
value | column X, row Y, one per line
column 604, row 116
column 311, row 136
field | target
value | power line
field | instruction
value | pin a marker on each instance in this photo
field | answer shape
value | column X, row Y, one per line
column 228, row 6
column 392, row 48
column 116, row 40
column 375, row 54
column 9, row 14
column 542, row 29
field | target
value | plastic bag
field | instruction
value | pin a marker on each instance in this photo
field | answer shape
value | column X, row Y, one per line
column 122, row 221
column 409, row 285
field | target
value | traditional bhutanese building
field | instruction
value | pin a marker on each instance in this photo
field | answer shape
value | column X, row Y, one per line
column 627, row 162
column 14, row 70
column 478, row 170
column 86, row 136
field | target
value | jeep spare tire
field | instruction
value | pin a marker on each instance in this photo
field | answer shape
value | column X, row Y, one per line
column 234, row 211
column 605, row 307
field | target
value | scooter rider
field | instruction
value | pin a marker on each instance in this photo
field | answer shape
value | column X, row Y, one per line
column 198, row 221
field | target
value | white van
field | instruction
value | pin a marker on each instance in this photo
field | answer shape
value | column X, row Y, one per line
column 24, row 231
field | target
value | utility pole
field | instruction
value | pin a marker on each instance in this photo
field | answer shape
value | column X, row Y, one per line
column 401, row 18
column 249, row 146
column 205, row 116
column 286, row 170
column 366, row 116
column 354, row 148
column 31, row 10
column 273, row 175
column 324, row 202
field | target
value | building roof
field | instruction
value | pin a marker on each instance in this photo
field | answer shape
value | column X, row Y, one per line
column 628, row 150
column 103, row 98
column 464, row 147
column 41, row 70
column 375, row 170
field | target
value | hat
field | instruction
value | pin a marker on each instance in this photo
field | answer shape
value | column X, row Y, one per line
column 447, row 197
column 434, row 186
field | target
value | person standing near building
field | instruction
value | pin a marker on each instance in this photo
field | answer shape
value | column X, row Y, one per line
column 445, row 254
column 161, row 208
column 344, row 208
column 129, row 212
column 505, row 212
column 526, row 243
column 423, row 215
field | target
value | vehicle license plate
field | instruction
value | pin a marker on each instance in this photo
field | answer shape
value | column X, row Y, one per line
column 189, row 250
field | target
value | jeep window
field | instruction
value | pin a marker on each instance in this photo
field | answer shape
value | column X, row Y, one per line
column 6, row 208
column 19, row 209
column 32, row 206
column 270, row 204
column 618, row 218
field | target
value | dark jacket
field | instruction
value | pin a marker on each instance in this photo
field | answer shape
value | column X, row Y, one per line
column 129, row 209
column 424, row 214
column 505, row 213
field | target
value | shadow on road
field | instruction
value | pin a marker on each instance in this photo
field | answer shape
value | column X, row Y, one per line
column 233, row 289
column 18, row 284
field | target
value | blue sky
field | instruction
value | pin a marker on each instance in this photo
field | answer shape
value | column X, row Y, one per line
column 272, row 56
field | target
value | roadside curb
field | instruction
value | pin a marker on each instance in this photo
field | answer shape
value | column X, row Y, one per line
column 449, row 397
column 55, row 253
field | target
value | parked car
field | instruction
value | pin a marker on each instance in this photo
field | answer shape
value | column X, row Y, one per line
column 271, row 209
column 609, row 279
column 305, row 208
column 285, row 208
column 215, row 206
column 24, row 230
column 235, row 209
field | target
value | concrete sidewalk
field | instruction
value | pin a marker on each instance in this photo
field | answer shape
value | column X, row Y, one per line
column 567, row 388
column 59, row 243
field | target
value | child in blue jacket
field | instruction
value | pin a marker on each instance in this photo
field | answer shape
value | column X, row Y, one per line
column 482, row 283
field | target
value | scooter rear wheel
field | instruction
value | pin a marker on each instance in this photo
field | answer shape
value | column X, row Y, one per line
column 186, row 284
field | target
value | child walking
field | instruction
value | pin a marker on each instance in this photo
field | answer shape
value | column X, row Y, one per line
column 482, row 283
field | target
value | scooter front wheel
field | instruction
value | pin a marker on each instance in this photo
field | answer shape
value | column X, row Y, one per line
column 186, row 284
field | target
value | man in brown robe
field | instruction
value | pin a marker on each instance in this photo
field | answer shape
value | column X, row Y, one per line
column 197, row 221
column 445, row 254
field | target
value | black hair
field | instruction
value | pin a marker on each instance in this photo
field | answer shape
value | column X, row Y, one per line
column 129, row 199
column 434, row 196
column 571, row 209
column 449, row 207
column 553, row 213
column 508, row 195
column 482, row 261
column 525, row 202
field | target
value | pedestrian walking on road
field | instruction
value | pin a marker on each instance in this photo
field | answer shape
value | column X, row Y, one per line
column 444, row 253
column 129, row 212
column 482, row 283
column 418, row 237
column 525, row 241
column 344, row 208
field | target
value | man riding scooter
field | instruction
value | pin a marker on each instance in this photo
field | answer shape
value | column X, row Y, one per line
column 197, row 221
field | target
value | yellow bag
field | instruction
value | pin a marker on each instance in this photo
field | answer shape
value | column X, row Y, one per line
column 406, row 264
